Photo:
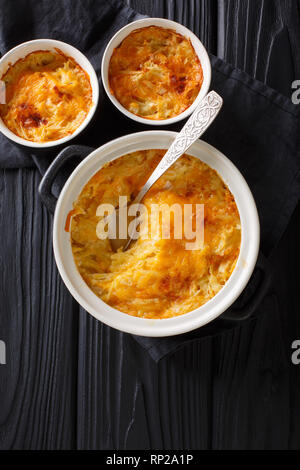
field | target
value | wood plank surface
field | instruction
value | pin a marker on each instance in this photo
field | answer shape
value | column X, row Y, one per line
column 72, row 382
column 38, row 323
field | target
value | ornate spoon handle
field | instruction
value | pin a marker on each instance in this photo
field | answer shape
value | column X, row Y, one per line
column 200, row 120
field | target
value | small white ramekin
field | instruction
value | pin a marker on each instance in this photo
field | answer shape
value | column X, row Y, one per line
column 21, row 51
column 199, row 49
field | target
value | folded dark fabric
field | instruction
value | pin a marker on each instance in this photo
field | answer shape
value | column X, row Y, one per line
column 159, row 348
column 258, row 129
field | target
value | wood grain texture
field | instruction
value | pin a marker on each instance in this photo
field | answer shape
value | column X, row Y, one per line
column 38, row 324
column 72, row 382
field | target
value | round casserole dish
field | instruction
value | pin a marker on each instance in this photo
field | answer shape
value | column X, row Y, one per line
column 20, row 52
column 163, row 23
column 182, row 323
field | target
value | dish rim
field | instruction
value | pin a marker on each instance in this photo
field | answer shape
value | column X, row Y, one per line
column 167, row 24
column 174, row 325
column 15, row 54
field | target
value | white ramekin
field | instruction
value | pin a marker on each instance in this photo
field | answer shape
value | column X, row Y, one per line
column 21, row 51
column 189, row 321
column 199, row 49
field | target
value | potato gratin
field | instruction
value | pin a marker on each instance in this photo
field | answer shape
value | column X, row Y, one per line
column 48, row 96
column 155, row 73
column 156, row 277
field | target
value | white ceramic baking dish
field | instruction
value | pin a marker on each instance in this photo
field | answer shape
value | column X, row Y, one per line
column 163, row 23
column 21, row 51
column 62, row 246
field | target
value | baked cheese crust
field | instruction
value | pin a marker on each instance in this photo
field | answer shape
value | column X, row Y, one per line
column 48, row 96
column 157, row 277
column 155, row 73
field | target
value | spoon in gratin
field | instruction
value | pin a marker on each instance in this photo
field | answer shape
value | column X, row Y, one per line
column 200, row 120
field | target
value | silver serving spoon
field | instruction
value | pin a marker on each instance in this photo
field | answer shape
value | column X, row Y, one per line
column 200, row 120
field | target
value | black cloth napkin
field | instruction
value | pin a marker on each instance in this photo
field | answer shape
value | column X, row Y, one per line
column 258, row 129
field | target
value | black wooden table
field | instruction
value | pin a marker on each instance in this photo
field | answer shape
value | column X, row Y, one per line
column 71, row 382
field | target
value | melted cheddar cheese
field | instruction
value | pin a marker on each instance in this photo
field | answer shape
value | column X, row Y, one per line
column 155, row 73
column 157, row 277
column 48, row 96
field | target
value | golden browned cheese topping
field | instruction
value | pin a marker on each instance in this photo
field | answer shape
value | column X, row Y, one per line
column 48, row 96
column 155, row 73
column 157, row 277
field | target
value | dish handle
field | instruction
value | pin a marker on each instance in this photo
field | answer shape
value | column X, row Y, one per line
column 253, row 294
column 45, row 187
